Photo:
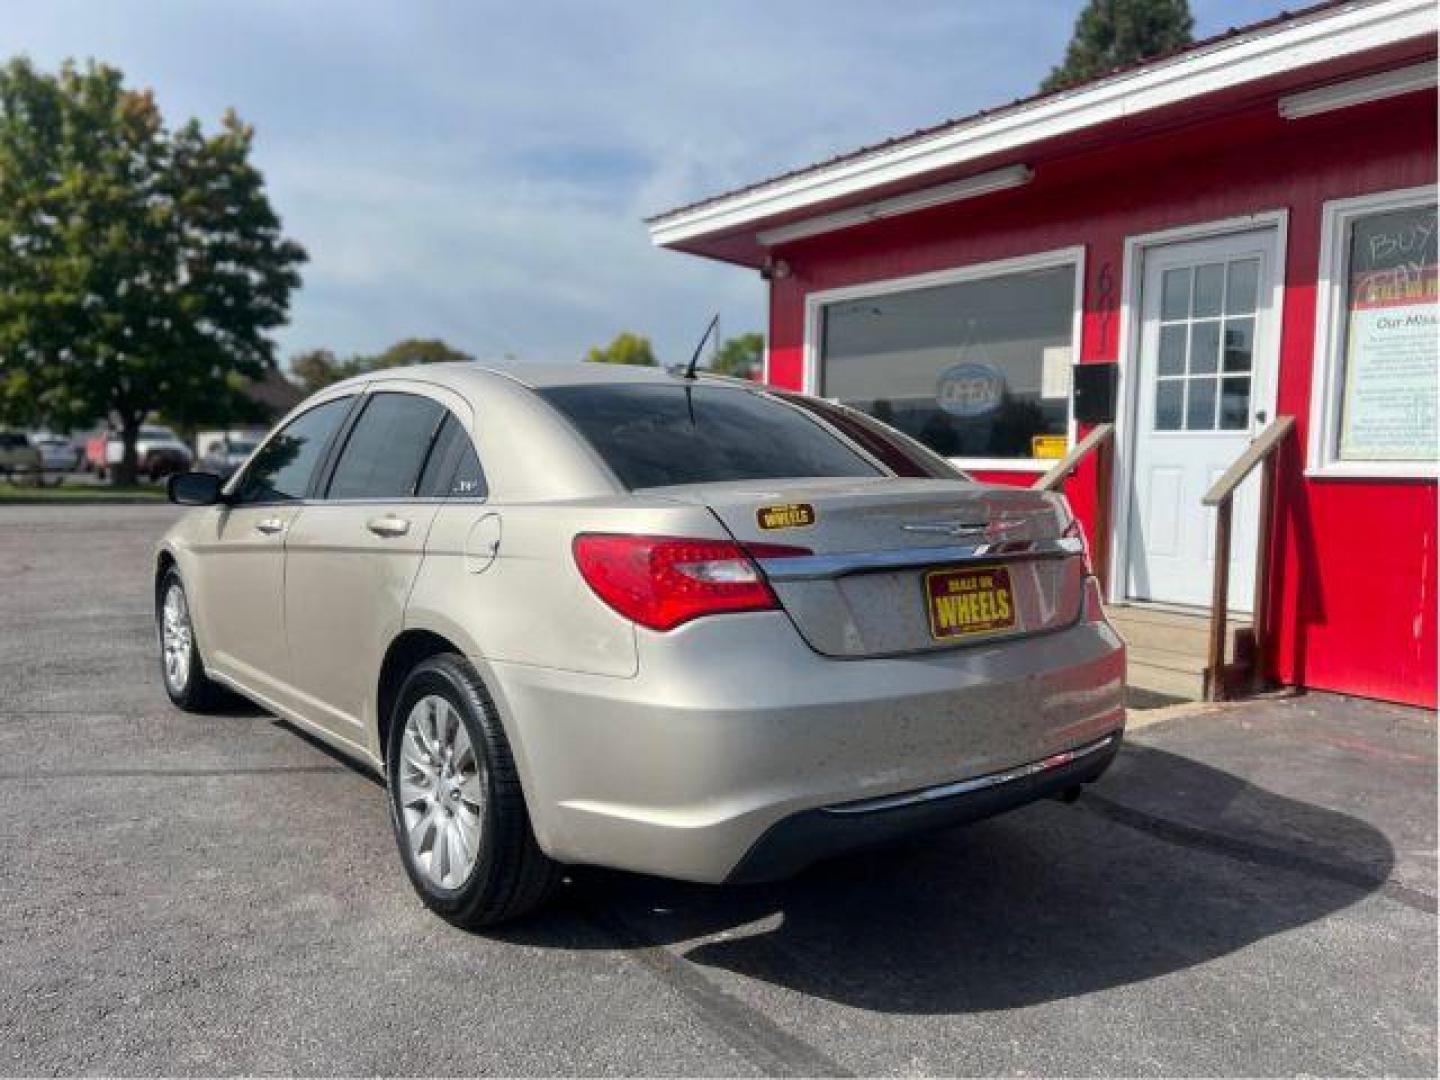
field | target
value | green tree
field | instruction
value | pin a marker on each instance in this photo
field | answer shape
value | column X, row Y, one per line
column 418, row 351
column 318, row 368
column 140, row 266
column 1112, row 33
column 741, row 356
column 627, row 348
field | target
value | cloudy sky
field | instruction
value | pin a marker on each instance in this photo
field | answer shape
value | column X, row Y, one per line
column 479, row 171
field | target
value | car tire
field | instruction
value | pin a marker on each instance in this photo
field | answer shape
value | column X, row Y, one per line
column 182, row 671
column 456, row 805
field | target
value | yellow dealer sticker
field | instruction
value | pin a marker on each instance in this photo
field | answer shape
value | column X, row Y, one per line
column 786, row 516
column 1047, row 446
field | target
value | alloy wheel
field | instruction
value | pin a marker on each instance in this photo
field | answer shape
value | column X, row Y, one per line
column 441, row 792
column 176, row 637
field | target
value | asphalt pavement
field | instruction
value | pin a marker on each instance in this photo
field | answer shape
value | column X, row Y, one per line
column 1249, row 891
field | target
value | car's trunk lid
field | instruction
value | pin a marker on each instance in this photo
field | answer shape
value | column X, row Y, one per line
column 898, row 566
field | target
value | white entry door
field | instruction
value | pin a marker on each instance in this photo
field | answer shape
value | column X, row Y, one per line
column 1205, row 387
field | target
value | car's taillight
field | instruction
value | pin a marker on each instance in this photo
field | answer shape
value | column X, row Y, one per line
column 1076, row 531
column 1093, row 608
column 663, row 581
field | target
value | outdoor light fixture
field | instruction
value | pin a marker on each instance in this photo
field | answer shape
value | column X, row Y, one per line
column 1378, row 87
column 774, row 269
column 970, row 187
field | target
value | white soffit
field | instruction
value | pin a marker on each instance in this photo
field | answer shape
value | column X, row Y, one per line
column 1225, row 64
column 980, row 184
column 1377, row 87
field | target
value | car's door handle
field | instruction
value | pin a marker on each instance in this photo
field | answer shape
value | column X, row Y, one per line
column 388, row 525
column 269, row 526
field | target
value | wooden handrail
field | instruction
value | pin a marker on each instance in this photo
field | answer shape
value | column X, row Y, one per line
column 1260, row 447
column 1079, row 452
column 1100, row 442
column 1263, row 451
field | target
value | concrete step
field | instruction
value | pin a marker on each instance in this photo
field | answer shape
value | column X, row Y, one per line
column 1166, row 682
column 1167, row 649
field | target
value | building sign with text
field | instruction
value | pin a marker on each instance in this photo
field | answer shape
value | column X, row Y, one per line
column 1388, row 410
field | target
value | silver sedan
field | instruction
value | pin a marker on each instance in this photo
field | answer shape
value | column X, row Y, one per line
column 610, row 616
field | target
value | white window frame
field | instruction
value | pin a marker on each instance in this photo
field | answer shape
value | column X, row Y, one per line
column 815, row 303
column 1326, row 389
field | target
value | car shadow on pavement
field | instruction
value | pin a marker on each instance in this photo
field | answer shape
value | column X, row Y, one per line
column 1048, row 903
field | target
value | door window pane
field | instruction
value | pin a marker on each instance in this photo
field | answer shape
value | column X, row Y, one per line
column 1241, row 286
column 1175, row 294
column 386, row 448
column 1239, row 344
column 1204, row 347
column 974, row 369
column 1172, row 350
column 1200, row 405
column 1169, row 394
column 1209, row 289
column 283, row 468
column 1235, row 404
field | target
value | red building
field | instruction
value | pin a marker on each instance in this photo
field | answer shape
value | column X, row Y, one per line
column 1243, row 230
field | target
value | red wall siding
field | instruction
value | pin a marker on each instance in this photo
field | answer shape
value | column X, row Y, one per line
column 1353, row 573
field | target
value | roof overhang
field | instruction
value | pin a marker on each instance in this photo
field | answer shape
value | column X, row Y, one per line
column 741, row 226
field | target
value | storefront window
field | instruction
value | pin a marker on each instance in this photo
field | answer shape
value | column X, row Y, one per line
column 976, row 369
column 1380, row 337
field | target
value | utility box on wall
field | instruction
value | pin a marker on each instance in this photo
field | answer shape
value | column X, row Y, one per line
column 1094, row 392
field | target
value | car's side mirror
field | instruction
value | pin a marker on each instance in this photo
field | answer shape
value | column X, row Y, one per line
column 194, row 488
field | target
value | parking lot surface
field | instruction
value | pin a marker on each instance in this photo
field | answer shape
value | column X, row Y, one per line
column 1249, row 891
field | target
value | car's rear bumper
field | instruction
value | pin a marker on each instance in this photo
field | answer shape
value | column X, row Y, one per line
column 733, row 725
column 801, row 839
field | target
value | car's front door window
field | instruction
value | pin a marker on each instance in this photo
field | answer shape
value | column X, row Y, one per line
column 285, row 465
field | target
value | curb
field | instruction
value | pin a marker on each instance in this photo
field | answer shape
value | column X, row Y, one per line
column 115, row 500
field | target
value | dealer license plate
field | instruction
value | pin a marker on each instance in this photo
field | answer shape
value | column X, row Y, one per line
column 971, row 601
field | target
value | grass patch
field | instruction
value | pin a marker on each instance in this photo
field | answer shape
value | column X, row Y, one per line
column 67, row 493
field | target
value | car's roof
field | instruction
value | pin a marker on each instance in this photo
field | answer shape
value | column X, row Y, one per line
column 537, row 375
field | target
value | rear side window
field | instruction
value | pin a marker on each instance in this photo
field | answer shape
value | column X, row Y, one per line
column 283, row 468
column 386, row 448
column 453, row 470
column 657, row 434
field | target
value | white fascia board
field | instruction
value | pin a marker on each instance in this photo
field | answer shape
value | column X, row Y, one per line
column 1225, row 64
column 1377, row 87
column 1011, row 176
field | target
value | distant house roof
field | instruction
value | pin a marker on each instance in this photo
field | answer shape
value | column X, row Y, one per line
column 274, row 393
column 1288, row 42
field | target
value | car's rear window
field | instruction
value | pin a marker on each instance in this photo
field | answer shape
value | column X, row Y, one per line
column 654, row 434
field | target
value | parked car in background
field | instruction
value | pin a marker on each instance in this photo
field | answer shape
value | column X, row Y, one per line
column 18, row 457
column 222, row 457
column 57, row 453
column 92, row 457
column 158, row 453
column 610, row 616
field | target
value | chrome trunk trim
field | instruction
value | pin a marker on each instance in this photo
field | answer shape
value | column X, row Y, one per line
column 819, row 567
column 979, row 783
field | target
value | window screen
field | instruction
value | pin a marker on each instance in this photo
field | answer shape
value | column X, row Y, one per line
column 383, row 455
column 283, row 468
column 974, row 369
column 656, row 434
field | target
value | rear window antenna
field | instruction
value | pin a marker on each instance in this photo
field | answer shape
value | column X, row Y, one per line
column 699, row 345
